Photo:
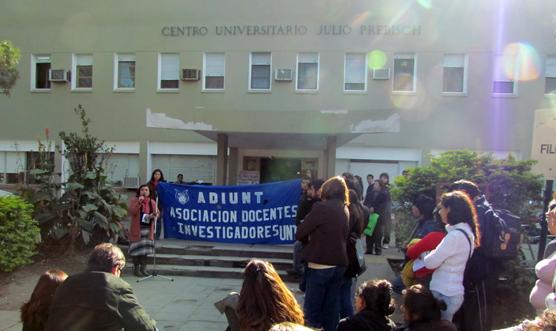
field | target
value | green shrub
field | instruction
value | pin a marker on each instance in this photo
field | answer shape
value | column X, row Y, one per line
column 19, row 233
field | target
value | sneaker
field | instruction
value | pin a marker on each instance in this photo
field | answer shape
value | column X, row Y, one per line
column 385, row 246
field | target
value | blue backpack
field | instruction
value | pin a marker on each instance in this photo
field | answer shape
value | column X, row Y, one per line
column 500, row 232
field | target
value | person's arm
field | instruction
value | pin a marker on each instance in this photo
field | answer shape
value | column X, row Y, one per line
column 310, row 222
column 134, row 207
column 427, row 243
column 134, row 317
column 447, row 247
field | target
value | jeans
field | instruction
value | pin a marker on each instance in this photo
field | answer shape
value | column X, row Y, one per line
column 347, row 293
column 453, row 302
column 322, row 292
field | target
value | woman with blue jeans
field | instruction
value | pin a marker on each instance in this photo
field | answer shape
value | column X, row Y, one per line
column 450, row 257
column 325, row 231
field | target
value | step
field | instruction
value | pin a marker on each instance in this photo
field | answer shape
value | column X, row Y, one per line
column 215, row 261
column 204, row 271
column 257, row 251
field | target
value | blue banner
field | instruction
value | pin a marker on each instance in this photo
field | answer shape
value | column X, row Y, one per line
column 249, row 214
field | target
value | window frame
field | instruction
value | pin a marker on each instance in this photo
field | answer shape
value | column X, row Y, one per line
column 364, row 90
column 549, row 56
column 465, row 75
column 404, row 56
column 116, row 72
column 514, row 81
column 297, row 89
column 74, row 86
column 159, row 87
column 249, row 88
column 204, row 72
column 33, row 76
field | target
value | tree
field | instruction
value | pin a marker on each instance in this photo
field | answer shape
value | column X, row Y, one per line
column 9, row 58
column 71, row 213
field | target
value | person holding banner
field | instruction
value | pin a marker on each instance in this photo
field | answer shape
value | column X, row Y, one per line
column 143, row 212
column 325, row 230
column 156, row 177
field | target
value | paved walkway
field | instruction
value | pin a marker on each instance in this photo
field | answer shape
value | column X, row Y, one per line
column 187, row 302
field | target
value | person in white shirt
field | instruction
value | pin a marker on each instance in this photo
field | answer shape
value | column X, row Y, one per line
column 450, row 257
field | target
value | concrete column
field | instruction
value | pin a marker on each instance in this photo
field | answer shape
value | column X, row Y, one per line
column 222, row 159
column 233, row 166
column 330, row 156
column 144, row 162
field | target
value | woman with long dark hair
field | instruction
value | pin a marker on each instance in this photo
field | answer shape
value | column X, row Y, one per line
column 373, row 301
column 156, row 177
column 34, row 313
column 422, row 311
column 264, row 299
column 450, row 257
column 325, row 230
column 143, row 212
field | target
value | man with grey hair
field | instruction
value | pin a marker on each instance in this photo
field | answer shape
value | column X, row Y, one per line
column 98, row 299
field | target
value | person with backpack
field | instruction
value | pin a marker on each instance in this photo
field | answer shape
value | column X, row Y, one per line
column 450, row 257
column 484, row 266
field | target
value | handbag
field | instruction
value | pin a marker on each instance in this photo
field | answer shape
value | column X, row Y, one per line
column 356, row 257
column 371, row 225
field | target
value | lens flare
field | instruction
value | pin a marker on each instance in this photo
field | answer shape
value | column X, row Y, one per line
column 521, row 62
column 427, row 4
column 376, row 59
column 359, row 19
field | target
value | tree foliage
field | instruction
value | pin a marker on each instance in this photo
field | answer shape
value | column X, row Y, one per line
column 86, row 205
column 19, row 233
column 9, row 58
column 508, row 184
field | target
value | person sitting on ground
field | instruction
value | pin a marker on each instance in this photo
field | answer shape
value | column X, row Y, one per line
column 422, row 310
column 264, row 299
column 373, row 302
column 98, row 299
column 34, row 313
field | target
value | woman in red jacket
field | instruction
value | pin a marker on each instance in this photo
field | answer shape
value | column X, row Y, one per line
column 143, row 212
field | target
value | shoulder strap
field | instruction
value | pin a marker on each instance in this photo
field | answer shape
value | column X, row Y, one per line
column 468, row 240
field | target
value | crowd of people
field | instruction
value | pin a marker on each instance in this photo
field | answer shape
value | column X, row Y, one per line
column 447, row 282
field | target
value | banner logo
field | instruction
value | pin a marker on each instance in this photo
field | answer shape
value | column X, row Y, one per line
column 182, row 197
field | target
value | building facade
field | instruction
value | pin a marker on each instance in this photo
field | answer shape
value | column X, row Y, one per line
column 240, row 91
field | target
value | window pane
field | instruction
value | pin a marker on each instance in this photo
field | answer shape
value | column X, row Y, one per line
column 403, row 74
column 41, row 79
column 84, row 76
column 170, row 66
column 214, row 64
column 169, row 84
column 550, row 70
column 355, row 70
column 307, row 76
column 126, row 74
column 214, row 82
column 550, row 87
column 260, row 58
column 355, row 86
column 260, row 77
column 454, row 60
column 503, row 87
column 453, row 79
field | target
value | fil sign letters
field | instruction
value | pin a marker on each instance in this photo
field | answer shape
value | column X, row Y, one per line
column 544, row 143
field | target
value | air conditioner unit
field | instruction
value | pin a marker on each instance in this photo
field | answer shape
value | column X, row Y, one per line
column 283, row 75
column 190, row 74
column 57, row 75
column 131, row 182
column 382, row 73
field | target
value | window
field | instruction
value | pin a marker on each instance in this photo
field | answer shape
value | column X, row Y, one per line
column 214, row 67
column 124, row 77
column 355, row 72
column 307, row 71
column 454, row 74
column 82, row 71
column 550, row 74
column 404, row 73
column 168, row 71
column 505, row 75
column 259, row 76
column 40, row 66
column 12, row 167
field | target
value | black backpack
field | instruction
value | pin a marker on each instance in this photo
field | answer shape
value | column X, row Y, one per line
column 500, row 232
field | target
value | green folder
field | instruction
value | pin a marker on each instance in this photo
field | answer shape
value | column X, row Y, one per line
column 373, row 219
